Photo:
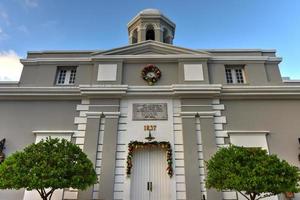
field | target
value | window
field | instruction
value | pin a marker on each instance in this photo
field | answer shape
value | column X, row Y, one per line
column 235, row 74
column 66, row 76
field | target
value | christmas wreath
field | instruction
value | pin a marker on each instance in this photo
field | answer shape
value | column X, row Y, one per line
column 151, row 74
column 134, row 145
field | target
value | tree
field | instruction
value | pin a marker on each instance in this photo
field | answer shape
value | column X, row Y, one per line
column 251, row 172
column 46, row 166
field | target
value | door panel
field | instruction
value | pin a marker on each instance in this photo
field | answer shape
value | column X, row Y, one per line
column 158, row 175
column 140, row 175
column 149, row 165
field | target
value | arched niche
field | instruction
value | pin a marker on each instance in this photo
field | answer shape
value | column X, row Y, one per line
column 150, row 33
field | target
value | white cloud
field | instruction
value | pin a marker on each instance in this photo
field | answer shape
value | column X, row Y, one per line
column 23, row 29
column 4, row 16
column 10, row 66
column 3, row 35
column 32, row 3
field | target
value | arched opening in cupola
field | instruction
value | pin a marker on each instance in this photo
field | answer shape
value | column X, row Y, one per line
column 150, row 33
column 134, row 38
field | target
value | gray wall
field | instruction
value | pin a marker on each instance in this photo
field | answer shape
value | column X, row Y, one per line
column 19, row 118
column 255, row 73
column 280, row 117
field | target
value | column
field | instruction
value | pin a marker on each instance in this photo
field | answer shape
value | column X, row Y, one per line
column 141, row 34
column 158, row 34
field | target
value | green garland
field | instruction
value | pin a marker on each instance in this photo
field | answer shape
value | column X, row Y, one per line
column 134, row 145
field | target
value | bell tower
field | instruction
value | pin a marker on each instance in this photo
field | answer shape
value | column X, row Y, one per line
column 151, row 24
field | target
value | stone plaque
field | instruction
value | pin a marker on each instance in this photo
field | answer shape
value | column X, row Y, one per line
column 150, row 111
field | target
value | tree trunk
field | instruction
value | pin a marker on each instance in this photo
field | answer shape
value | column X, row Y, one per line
column 44, row 198
column 253, row 196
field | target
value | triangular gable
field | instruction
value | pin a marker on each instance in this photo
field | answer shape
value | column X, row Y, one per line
column 150, row 47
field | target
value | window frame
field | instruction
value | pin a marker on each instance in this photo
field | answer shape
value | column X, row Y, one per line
column 68, row 75
column 233, row 73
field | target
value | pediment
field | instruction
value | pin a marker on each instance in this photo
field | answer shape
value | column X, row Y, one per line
column 151, row 48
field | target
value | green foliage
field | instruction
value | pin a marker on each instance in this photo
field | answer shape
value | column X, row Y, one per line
column 251, row 170
column 51, row 163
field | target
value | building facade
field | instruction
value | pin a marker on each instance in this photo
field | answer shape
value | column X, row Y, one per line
column 126, row 107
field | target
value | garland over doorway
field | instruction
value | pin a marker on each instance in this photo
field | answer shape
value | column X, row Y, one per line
column 134, row 145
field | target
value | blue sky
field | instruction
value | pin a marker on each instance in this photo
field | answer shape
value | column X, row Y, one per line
column 27, row 25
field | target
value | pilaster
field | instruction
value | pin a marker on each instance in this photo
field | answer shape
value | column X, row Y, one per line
column 190, row 147
column 91, row 143
column 209, row 148
column 106, row 186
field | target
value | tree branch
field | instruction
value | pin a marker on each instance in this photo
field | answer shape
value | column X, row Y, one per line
column 43, row 192
column 266, row 195
column 51, row 195
column 39, row 192
column 243, row 195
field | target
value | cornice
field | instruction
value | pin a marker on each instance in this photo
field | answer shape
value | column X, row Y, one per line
column 175, row 90
column 179, row 56
column 160, row 16
column 133, row 49
column 246, row 58
column 37, row 61
column 103, row 90
column 260, row 92
column 47, row 93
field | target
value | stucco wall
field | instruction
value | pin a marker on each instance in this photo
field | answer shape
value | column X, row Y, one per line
column 280, row 117
column 255, row 73
column 19, row 118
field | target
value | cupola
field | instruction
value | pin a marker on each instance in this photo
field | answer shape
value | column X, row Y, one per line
column 151, row 24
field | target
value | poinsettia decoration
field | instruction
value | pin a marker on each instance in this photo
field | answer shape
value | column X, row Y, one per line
column 134, row 145
column 151, row 74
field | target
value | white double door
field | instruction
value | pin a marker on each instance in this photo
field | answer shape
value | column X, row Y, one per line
column 149, row 178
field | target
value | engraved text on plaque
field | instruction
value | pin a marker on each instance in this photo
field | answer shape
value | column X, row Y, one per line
column 150, row 111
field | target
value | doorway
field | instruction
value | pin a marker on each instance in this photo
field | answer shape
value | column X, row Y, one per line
column 149, row 178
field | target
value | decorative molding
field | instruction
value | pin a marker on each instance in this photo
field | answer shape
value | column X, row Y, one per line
column 246, row 58
column 53, row 132
column 208, row 114
column 229, row 132
column 179, row 90
column 103, row 114
column 193, row 72
column 160, row 16
column 107, row 72
column 126, row 51
column 9, row 82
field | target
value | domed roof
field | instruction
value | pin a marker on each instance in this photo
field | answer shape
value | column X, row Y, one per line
column 150, row 11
